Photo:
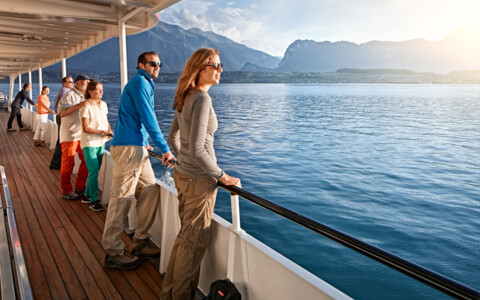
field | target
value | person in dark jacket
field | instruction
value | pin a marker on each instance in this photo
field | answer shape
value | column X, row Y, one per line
column 17, row 107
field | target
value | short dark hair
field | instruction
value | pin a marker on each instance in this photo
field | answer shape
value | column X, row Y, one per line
column 26, row 84
column 64, row 79
column 44, row 88
column 141, row 58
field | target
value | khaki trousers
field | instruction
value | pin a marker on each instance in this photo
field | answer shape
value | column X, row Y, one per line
column 133, row 178
column 196, row 200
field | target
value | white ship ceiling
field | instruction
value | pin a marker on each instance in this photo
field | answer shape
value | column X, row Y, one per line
column 38, row 33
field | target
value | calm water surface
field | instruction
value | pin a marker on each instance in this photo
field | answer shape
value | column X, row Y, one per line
column 396, row 166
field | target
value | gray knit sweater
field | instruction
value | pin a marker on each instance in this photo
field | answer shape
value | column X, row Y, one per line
column 191, row 137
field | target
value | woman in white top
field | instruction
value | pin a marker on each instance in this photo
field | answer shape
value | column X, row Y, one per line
column 95, row 132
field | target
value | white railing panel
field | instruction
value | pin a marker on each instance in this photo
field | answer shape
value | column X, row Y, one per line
column 53, row 127
column 258, row 271
column 26, row 117
column 33, row 121
column 215, row 262
column 170, row 225
column 48, row 133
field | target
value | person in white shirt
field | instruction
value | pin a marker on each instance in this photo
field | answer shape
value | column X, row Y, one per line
column 95, row 132
column 70, row 131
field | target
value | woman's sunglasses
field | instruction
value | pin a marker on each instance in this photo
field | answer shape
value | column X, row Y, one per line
column 216, row 65
column 154, row 63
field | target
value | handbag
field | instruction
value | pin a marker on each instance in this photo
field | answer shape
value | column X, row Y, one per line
column 223, row 289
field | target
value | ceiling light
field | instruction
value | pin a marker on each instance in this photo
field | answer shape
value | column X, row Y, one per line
column 31, row 38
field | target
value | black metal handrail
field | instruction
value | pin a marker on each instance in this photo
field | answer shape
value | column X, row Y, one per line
column 429, row 277
column 440, row 282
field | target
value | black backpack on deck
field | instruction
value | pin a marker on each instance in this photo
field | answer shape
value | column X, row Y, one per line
column 223, row 290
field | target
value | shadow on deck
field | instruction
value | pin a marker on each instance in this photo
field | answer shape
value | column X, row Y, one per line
column 61, row 239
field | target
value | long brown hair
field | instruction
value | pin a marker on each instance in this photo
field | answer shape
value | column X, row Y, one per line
column 90, row 87
column 189, row 78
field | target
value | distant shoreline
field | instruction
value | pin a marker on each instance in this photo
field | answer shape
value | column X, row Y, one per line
column 367, row 76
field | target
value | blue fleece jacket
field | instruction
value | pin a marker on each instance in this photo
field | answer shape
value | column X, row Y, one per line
column 136, row 115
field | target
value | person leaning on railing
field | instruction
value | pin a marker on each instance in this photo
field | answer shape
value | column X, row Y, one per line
column 196, row 172
column 16, row 108
column 43, row 109
column 133, row 177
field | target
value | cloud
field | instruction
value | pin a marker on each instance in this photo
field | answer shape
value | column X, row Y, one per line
column 272, row 26
column 244, row 25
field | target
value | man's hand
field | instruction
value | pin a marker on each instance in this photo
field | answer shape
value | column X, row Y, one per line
column 149, row 148
column 166, row 157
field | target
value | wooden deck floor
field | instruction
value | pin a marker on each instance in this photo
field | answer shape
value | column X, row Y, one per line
column 61, row 239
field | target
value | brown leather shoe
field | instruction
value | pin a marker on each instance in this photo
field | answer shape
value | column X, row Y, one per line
column 143, row 249
column 124, row 261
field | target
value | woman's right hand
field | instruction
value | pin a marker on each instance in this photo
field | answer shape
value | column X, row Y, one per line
column 229, row 180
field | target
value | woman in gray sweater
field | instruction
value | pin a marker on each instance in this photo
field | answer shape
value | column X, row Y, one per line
column 196, row 172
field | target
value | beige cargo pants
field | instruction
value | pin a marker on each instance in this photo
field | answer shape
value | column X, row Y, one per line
column 133, row 178
column 196, row 200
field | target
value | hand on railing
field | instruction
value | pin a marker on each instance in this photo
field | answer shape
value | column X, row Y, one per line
column 229, row 180
column 168, row 158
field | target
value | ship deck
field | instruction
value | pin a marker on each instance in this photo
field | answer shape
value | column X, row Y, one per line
column 61, row 240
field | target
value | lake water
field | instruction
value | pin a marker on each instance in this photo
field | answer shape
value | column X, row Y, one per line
column 396, row 166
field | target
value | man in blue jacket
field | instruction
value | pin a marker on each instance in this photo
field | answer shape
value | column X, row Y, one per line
column 17, row 107
column 133, row 176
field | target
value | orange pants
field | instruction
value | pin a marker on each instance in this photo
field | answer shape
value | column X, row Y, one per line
column 68, row 162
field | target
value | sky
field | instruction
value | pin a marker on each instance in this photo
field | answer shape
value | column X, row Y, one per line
column 272, row 25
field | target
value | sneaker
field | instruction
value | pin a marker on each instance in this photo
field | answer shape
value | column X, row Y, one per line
column 70, row 196
column 86, row 199
column 11, row 130
column 96, row 206
column 23, row 129
column 125, row 261
column 144, row 249
column 80, row 193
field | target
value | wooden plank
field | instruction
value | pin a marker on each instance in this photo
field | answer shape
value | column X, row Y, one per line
column 77, row 291
column 78, row 261
column 78, row 220
column 49, row 222
column 71, row 230
column 37, row 277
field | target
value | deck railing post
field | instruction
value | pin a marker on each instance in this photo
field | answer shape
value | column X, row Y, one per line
column 31, row 88
column 236, row 215
column 123, row 54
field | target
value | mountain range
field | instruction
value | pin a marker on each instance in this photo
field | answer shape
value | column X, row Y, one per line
column 174, row 46
column 458, row 51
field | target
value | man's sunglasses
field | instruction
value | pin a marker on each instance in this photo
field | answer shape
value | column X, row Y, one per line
column 216, row 65
column 154, row 63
